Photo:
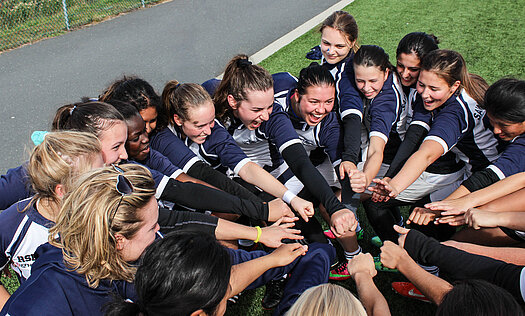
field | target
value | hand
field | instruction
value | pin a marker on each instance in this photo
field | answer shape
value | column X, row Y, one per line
column 358, row 181
column 383, row 189
column 342, row 221
column 362, row 263
column 392, row 254
column 451, row 207
column 304, row 208
column 452, row 220
column 271, row 236
column 345, row 168
column 422, row 216
column 402, row 235
column 477, row 219
column 277, row 208
column 287, row 253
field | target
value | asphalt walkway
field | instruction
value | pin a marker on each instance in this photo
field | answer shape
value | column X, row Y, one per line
column 190, row 41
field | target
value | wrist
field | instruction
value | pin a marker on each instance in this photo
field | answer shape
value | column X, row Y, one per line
column 361, row 276
column 259, row 234
column 288, row 196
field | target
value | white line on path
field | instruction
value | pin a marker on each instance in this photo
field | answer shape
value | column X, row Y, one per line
column 292, row 35
column 300, row 30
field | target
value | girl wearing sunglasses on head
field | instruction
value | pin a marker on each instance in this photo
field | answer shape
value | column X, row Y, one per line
column 51, row 169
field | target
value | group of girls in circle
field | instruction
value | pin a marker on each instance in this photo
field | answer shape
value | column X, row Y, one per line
column 130, row 192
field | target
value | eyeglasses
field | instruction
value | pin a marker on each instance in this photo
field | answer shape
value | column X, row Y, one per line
column 123, row 186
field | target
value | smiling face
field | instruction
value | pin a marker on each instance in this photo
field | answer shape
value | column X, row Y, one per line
column 315, row 104
column 112, row 141
column 408, row 67
column 201, row 119
column 370, row 80
column 334, row 45
column 506, row 130
column 255, row 110
column 434, row 90
column 149, row 115
column 137, row 144
column 131, row 249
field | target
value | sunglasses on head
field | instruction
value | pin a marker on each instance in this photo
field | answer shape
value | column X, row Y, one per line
column 123, row 186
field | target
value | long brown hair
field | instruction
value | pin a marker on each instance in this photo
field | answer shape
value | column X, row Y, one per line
column 240, row 77
column 345, row 23
column 179, row 98
column 450, row 66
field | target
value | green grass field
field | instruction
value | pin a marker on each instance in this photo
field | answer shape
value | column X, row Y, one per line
column 487, row 33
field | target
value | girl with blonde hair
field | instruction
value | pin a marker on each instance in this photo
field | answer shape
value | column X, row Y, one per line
column 105, row 223
column 327, row 299
column 53, row 166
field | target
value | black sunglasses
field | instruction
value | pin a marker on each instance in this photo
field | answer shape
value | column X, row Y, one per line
column 123, row 186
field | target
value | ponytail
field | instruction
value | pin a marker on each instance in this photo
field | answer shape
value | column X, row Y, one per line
column 90, row 117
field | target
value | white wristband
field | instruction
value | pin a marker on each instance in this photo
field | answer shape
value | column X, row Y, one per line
column 288, row 196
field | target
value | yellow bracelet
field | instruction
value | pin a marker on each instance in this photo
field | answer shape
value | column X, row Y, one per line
column 259, row 232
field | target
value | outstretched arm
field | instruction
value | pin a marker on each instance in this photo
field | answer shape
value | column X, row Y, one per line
column 362, row 270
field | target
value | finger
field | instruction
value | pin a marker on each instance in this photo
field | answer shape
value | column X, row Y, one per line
column 292, row 231
column 293, row 236
column 287, row 219
column 400, row 230
column 287, row 225
column 341, row 171
column 303, row 215
column 278, row 222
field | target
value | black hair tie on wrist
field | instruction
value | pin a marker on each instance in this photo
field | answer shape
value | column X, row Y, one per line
column 243, row 63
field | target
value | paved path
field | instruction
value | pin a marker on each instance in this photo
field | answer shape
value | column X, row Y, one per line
column 190, row 41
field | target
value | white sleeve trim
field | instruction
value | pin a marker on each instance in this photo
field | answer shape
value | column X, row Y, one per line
column 176, row 174
column 189, row 164
column 498, row 172
column 440, row 141
column 352, row 111
column 289, row 143
column 241, row 164
column 336, row 163
column 161, row 187
column 421, row 123
column 379, row 134
column 522, row 284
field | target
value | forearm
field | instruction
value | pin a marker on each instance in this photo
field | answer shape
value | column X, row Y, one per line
column 352, row 138
column 186, row 221
column 202, row 171
column 373, row 301
column 243, row 274
column 412, row 169
column 512, row 220
column 463, row 265
column 372, row 165
column 227, row 230
column 499, row 189
column 430, row 285
column 460, row 192
column 296, row 157
column 252, row 173
column 413, row 138
column 200, row 197
column 183, row 177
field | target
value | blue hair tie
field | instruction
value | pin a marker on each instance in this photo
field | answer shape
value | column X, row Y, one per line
column 38, row 137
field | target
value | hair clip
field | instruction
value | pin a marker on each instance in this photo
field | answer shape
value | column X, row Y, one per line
column 38, row 137
column 242, row 63
column 72, row 109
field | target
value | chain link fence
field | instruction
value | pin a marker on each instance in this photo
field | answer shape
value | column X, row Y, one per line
column 25, row 21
